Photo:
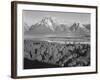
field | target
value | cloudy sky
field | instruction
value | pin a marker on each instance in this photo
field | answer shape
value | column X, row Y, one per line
column 31, row 17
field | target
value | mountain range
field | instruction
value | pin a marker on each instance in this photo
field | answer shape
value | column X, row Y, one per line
column 50, row 26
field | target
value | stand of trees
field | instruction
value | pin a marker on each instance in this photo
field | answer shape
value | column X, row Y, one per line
column 63, row 55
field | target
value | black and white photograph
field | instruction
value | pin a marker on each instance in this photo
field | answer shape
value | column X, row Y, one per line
column 56, row 39
column 53, row 39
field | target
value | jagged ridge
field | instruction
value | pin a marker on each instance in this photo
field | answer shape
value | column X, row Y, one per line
column 50, row 25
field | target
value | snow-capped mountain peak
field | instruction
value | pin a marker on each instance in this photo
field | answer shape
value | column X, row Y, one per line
column 48, row 22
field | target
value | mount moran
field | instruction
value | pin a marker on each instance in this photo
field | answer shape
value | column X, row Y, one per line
column 50, row 26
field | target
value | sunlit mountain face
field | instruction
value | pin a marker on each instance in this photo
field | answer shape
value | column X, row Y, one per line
column 49, row 27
